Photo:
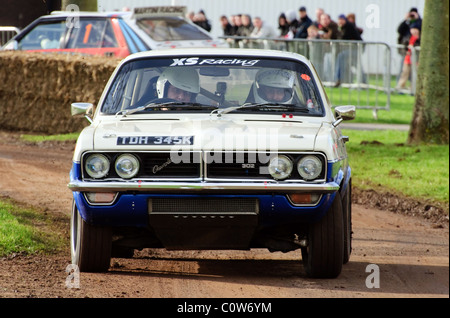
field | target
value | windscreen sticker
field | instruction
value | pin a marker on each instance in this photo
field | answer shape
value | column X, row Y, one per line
column 155, row 140
column 198, row 61
column 305, row 77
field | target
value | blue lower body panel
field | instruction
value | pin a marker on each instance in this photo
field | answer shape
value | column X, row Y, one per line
column 132, row 209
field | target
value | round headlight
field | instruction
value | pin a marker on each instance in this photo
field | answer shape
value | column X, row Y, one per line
column 97, row 166
column 280, row 167
column 127, row 166
column 309, row 167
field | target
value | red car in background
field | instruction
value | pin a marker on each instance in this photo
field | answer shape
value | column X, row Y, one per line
column 112, row 34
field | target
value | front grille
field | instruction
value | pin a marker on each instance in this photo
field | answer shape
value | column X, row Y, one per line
column 248, row 165
column 204, row 205
column 163, row 165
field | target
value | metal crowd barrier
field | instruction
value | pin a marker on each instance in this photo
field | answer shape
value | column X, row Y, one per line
column 353, row 72
column 6, row 33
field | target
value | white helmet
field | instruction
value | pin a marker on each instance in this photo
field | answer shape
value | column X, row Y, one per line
column 183, row 78
column 273, row 78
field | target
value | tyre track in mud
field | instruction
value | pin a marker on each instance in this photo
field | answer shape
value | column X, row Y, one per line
column 412, row 254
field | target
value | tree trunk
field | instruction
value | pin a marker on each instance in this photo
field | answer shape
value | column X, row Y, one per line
column 83, row 5
column 431, row 110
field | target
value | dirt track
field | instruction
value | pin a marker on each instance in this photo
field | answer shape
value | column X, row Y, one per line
column 412, row 254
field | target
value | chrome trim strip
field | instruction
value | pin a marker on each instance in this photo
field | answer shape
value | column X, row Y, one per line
column 77, row 185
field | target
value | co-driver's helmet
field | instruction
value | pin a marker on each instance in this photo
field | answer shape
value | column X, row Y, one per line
column 183, row 78
column 274, row 78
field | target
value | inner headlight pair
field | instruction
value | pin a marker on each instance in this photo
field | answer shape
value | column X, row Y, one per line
column 97, row 166
column 309, row 167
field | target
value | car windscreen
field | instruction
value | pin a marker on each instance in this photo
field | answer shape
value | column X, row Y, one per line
column 45, row 35
column 256, row 85
column 170, row 29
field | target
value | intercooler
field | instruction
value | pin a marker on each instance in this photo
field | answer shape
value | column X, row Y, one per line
column 204, row 223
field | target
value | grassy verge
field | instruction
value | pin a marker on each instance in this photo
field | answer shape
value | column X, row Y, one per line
column 380, row 159
column 41, row 138
column 400, row 112
column 25, row 231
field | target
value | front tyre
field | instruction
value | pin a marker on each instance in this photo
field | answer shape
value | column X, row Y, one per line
column 90, row 245
column 324, row 255
column 347, row 214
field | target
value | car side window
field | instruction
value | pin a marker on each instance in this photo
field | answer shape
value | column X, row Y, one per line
column 43, row 36
column 92, row 33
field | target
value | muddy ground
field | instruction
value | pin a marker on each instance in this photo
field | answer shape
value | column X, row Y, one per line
column 407, row 241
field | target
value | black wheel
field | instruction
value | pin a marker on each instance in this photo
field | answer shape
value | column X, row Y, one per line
column 90, row 245
column 323, row 257
column 122, row 252
column 347, row 214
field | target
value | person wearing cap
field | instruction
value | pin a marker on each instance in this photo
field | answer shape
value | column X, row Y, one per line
column 347, row 30
column 304, row 23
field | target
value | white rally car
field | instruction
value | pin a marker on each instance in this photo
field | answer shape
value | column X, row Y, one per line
column 212, row 149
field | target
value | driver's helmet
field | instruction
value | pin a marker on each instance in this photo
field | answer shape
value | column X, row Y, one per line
column 281, row 81
column 186, row 79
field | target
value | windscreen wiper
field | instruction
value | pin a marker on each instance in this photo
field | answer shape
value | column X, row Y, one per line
column 263, row 106
column 174, row 104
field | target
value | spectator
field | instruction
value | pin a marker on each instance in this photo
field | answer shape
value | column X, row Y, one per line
column 201, row 20
column 190, row 16
column 313, row 32
column 348, row 55
column 303, row 25
column 247, row 26
column 414, row 40
column 261, row 30
column 237, row 23
column 315, row 49
column 291, row 17
column 319, row 12
column 283, row 25
column 403, row 30
column 347, row 30
column 227, row 28
column 351, row 18
column 329, row 28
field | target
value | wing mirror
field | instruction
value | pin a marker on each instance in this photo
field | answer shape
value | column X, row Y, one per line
column 347, row 112
column 86, row 109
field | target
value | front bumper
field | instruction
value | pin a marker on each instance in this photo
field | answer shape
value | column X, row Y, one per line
column 161, row 187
